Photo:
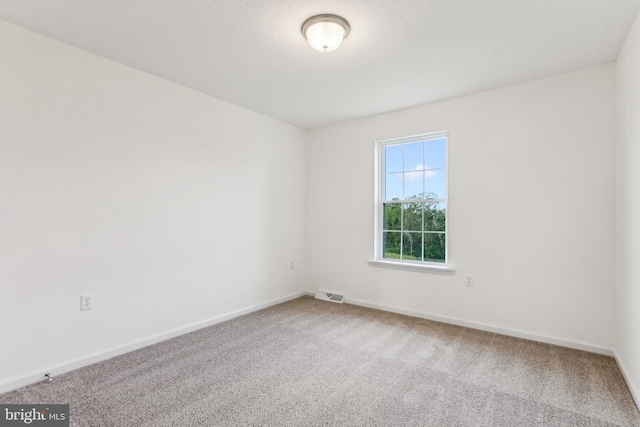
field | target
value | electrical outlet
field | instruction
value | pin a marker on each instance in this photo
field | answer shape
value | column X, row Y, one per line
column 86, row 301
column 468, row 280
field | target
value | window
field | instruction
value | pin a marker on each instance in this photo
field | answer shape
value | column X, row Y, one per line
column 411, row 206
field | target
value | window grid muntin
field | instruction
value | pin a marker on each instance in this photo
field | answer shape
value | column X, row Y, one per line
column 382, row 201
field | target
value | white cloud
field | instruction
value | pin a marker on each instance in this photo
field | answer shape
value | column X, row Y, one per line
column 412, row 176
column 415, row 176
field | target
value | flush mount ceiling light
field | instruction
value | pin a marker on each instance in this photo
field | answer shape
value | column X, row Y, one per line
column 325, row 32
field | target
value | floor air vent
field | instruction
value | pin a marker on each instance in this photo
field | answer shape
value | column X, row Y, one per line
column 330, row 296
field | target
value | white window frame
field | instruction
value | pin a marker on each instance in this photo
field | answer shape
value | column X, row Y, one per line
column 378, row 259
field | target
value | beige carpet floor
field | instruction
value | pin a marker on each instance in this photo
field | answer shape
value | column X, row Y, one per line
column 311, row 363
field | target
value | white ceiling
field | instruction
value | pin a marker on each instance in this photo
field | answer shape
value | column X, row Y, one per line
column 400, row 53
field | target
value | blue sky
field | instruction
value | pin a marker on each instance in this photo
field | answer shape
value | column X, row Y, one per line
column 415, row 168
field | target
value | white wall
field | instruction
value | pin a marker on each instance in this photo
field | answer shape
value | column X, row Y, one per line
column 531, row 209
column 172, row 207
column 628, row 210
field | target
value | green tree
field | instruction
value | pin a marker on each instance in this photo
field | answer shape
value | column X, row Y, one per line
column 422, row 224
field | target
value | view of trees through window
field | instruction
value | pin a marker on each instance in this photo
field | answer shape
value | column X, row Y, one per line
column 414, row 201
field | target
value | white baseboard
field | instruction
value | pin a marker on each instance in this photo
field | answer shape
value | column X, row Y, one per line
column 633, row 388
column 592, row 348
column 35, row 376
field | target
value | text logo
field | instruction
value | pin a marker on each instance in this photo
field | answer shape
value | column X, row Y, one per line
column 34, row 415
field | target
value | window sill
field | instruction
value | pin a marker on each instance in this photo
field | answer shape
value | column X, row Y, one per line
column 445, row 269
